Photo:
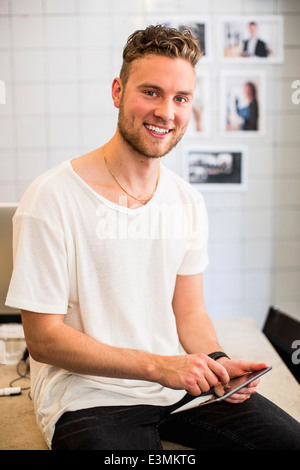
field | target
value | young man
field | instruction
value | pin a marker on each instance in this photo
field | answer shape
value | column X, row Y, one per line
column 109, row 254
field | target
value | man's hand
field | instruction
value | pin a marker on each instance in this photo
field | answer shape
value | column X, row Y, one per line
column 195, row 373
column 236, row 369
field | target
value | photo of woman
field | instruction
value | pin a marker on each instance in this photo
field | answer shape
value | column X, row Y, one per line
column 242, row 102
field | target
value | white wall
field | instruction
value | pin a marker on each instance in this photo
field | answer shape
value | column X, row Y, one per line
column 58, row 59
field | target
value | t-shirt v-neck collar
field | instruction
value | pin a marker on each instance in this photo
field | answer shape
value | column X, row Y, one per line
column 111, row 204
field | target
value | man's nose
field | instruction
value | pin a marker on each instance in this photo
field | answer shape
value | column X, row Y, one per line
column 165, row 110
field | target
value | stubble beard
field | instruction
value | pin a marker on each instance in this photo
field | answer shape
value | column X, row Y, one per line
column 135, row 141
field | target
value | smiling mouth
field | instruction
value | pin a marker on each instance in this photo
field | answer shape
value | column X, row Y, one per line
column 157, row 130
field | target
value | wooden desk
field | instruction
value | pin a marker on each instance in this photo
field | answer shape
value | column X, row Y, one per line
column 240, row 338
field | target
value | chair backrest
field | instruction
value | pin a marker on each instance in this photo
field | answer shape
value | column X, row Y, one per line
column 7, row 211
column 283, row 332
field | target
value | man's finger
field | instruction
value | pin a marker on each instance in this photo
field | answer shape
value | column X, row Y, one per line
column 219, row 371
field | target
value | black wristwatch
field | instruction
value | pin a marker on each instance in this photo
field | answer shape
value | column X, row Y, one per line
column 217, row 355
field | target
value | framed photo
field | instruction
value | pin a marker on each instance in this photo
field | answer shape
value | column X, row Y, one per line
column 217, row 168
column 252, row 39
column 198, row 25
column 200, row 124
column 242, row 103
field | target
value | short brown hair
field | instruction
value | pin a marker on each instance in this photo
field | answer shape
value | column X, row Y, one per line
column 160, row 40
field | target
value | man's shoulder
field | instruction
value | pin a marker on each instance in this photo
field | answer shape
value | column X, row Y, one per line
column 180, row 185
column 44, row 188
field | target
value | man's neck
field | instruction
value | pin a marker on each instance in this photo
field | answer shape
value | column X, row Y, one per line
column 135, row 172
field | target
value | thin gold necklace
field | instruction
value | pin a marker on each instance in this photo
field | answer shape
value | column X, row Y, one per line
column 133, row 197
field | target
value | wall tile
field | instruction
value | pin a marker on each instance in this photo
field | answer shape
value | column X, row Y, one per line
column 287, row 192
column 60, row 6
column 258, row 254
column 61, row 65
column 63, row 132
column 27, row 32
column 291, row 67
column 228, row 7
column 257, row 223
column 290, row 6
column 31, row 132
column 287, row 222
column 229, row 287
column 259, row 193
column 94, row 64
column 7, row 167
column 257, row 285
column 4, row 10
column 94, row 31
column 159, row 6
column 7, row 108
column 96, row 98
column 29, row 99
column 291, row 30
column 94, row 6
column 61, row 32
column 226, row 225
column 258, row 7
column 31, row 164
column 58, row 59
column 96, row 131
column 28, row 65
column 123, row 26
column 8, row 192
column 63, row 98
column 19, row 7
column 226, row 257
column 288, row 160
column 205, row 7
column 5, row 69
column 286, row 286
column 287, row 254
column 7, row 133
column 288, row 126
column 4, row 32
column 285, row 92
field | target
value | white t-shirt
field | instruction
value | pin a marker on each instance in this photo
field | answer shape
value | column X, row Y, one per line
column 111, row 271
column 251, row 46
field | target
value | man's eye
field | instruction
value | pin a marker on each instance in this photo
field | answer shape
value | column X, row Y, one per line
column 181, row 99
column 150, row 93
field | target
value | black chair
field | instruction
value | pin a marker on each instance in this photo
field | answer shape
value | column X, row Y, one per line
column 283, row 332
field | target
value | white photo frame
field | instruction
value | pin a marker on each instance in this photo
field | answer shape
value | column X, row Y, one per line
column 200, row 122
column 215, row 167
column 255, row 39
column 199, row 25
column 242, row 103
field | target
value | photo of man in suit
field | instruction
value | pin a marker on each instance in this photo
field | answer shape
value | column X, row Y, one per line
column 254, row 46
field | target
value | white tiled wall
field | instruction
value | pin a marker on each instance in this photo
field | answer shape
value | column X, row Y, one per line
column 58, row 58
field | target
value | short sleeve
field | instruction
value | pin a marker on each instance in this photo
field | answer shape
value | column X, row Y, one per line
column 39, row 281
column 196, row 259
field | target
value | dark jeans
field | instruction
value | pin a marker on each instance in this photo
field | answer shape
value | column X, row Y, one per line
column 256, row 424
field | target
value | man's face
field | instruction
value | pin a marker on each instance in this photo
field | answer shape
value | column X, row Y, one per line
column 156, row 104
column 252, row 30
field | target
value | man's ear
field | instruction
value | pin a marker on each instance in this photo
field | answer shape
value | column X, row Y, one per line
column 117, row 90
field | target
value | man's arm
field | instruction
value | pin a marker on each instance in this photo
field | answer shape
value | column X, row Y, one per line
column 51, row 341
column 195, row 329
column 197, row 334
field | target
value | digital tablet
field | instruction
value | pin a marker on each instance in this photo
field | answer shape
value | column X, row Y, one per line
column 233, row 386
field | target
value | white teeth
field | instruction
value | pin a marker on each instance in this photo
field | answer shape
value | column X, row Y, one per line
column 158, row 130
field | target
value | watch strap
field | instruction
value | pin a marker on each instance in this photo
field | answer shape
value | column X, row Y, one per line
column 217, row 355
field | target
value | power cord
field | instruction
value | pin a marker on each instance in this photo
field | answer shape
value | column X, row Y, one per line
column 23, row 370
